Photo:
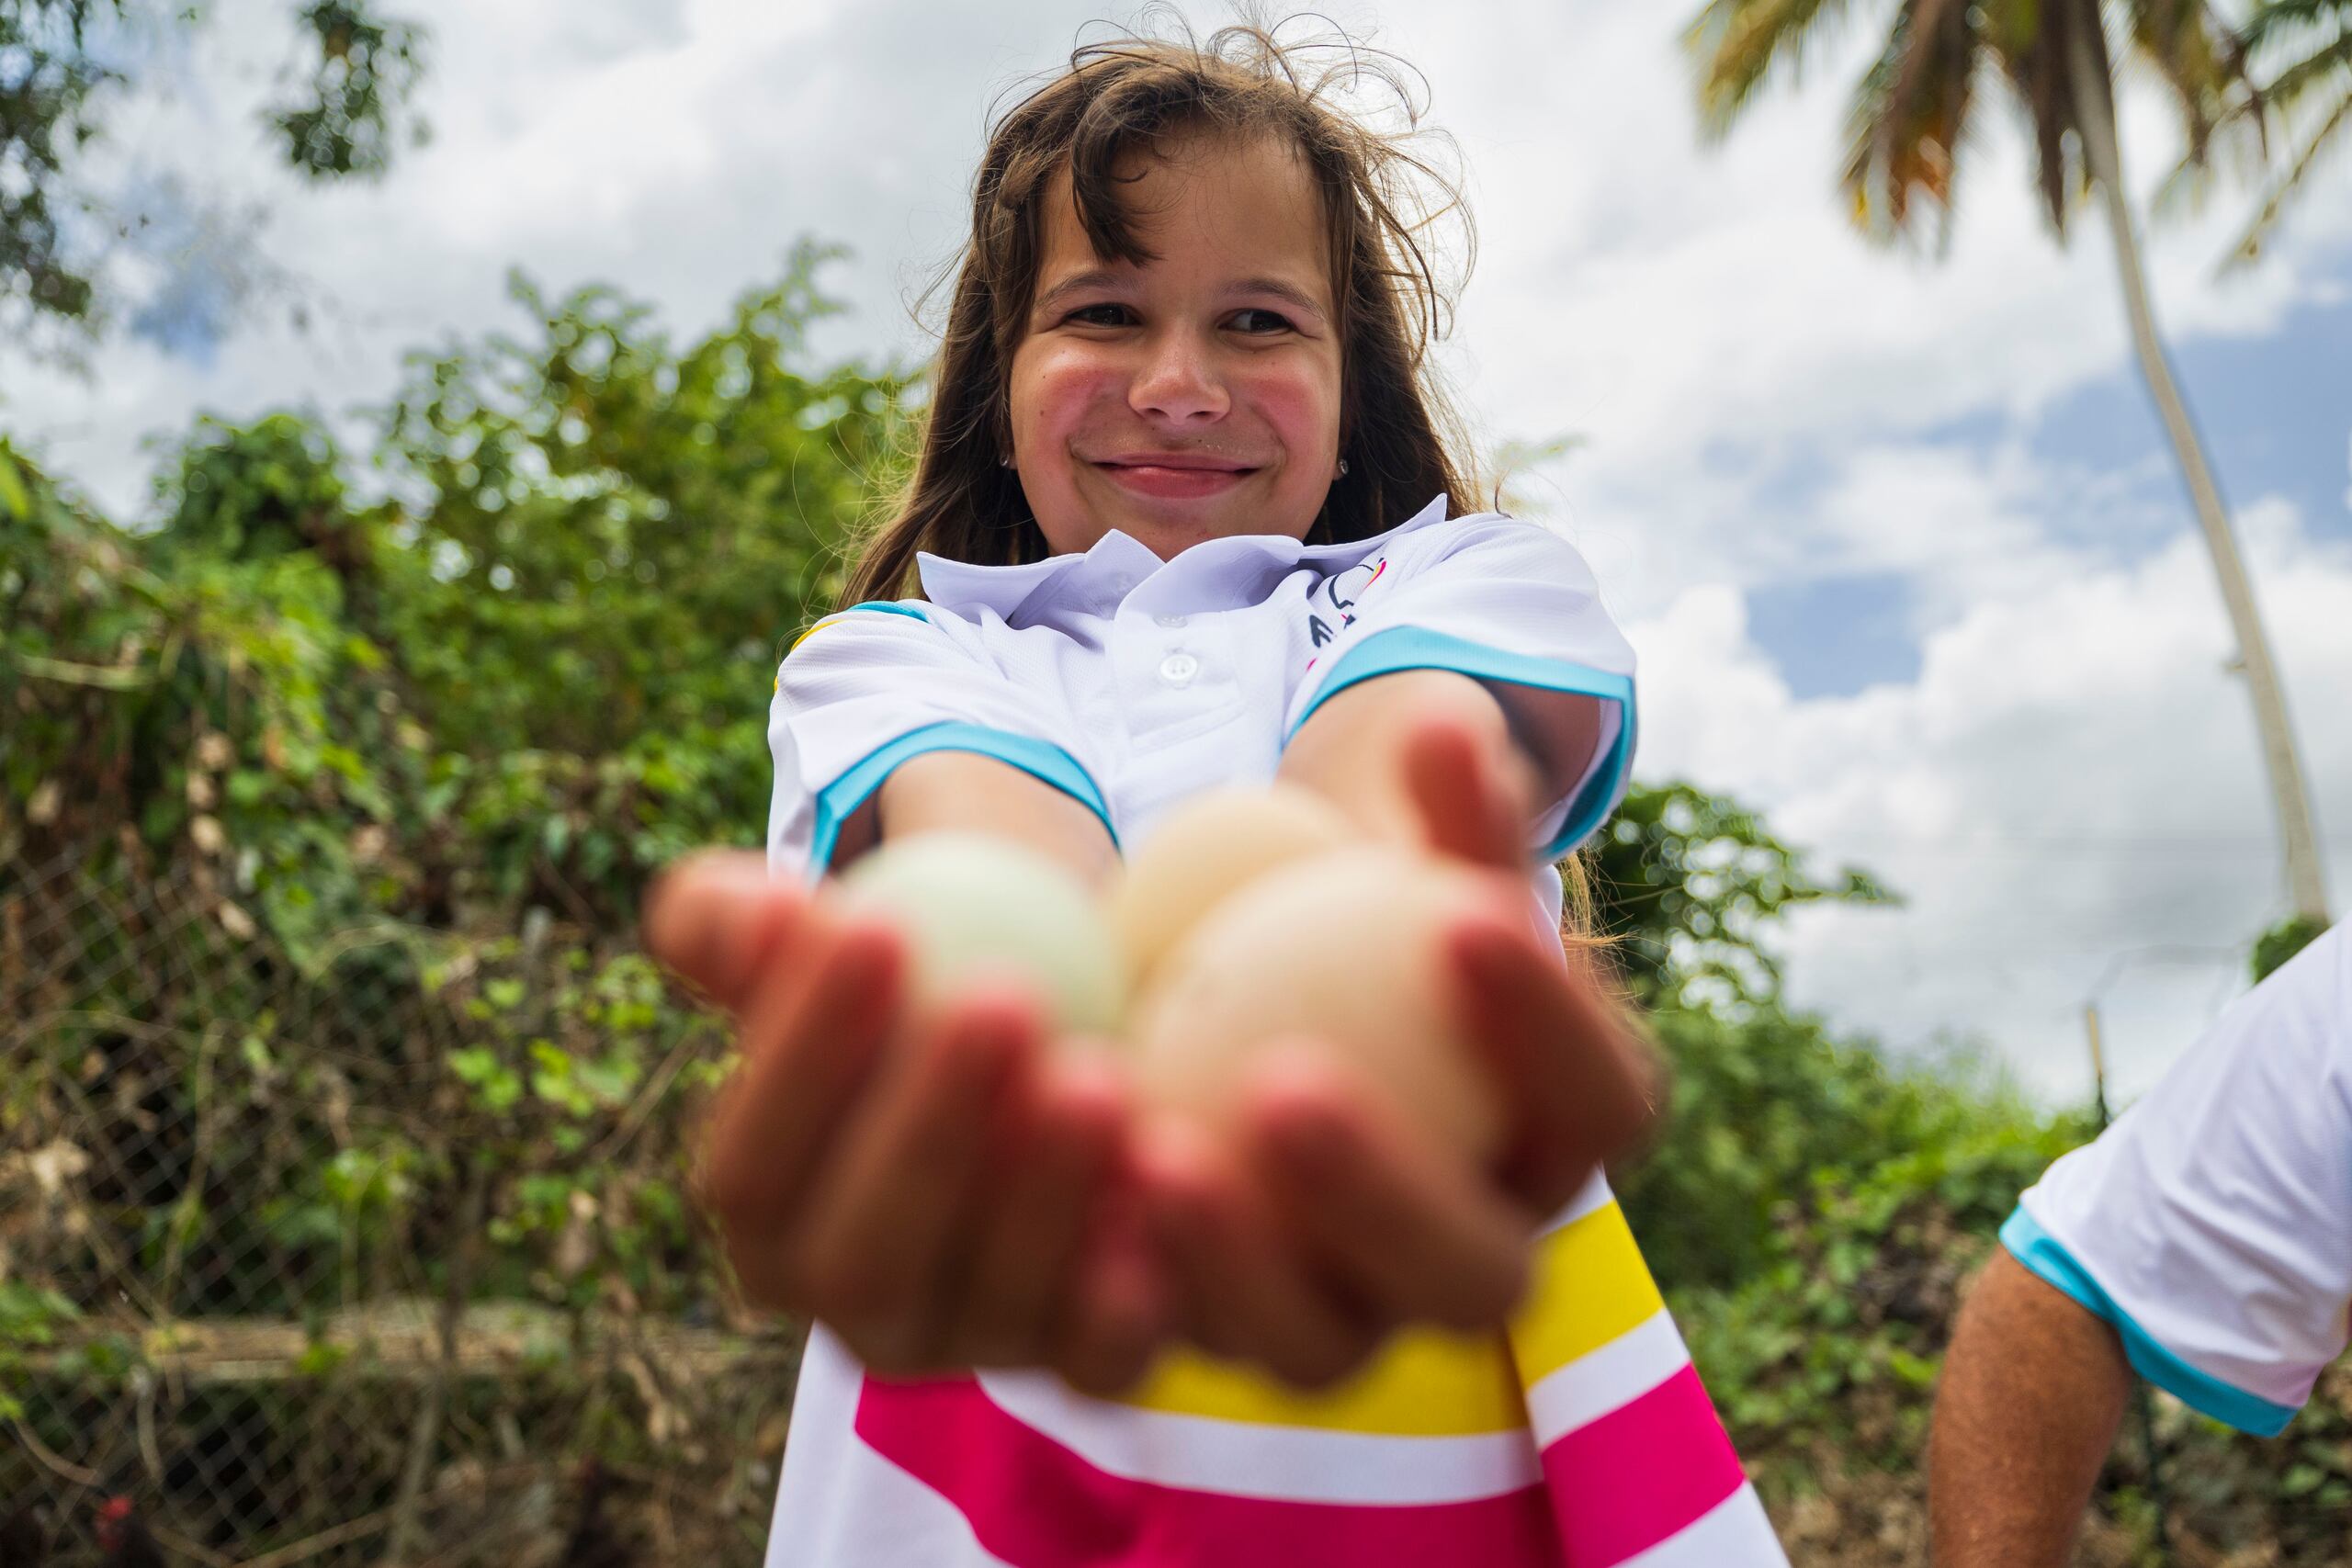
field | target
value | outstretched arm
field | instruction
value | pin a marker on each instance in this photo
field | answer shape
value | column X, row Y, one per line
column 961, row 791
column 1356, row 751
column 2033, row 1389
column 1347, row 1223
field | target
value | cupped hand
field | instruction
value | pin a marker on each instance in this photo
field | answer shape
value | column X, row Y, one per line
column 1333, row 1223
column 939, row 1186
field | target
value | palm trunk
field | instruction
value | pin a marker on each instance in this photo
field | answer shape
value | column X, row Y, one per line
column 2298, row 835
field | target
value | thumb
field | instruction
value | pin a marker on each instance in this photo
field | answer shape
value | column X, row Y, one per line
column 1471, row 793
column 714, row 916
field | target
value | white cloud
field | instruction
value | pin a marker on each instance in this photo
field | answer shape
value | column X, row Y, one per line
column 2071, row 783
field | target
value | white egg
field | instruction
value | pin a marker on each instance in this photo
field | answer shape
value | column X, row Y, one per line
column 976, row 905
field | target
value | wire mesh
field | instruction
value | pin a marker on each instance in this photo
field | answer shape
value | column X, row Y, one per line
column 382, row 1254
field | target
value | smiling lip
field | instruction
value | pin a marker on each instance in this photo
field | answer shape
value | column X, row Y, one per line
column 1173, row 476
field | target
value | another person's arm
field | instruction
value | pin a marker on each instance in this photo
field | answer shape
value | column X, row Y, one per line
column 2033, row 1389
column 2204, row 1242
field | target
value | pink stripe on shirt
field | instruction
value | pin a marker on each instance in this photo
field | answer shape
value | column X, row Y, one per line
column 1649, row 1468
column 1035, row 1502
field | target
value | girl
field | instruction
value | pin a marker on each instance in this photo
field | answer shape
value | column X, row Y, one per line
column 1187, row 514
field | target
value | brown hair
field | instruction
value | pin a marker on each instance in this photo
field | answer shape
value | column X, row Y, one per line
column 1398, row 433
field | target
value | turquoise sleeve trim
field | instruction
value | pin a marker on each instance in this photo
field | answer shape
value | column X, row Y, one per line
column 887, row 608
column 2039, row 1251
column 1038, row 759
column 1416, row 647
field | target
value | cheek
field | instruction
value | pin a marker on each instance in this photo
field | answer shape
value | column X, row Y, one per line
column 1302, row 405
column 1053, row 388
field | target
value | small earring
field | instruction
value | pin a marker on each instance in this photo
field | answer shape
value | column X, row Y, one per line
column 1004, row 462
column 1343, row 468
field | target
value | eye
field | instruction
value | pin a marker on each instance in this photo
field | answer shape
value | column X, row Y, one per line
column 1258, row 324
column 1108, row 314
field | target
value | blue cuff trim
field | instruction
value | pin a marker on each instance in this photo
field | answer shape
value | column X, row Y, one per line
column 1038, row 759
column 1416, row 647
column 2040, row 1252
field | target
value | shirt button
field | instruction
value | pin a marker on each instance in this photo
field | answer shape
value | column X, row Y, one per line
column 1173, row 623
column 1177, row 669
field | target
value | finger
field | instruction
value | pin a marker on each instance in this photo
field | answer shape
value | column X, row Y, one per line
column 1165, row 1165
column 886, row 1213
column 714, row 917
column 1243, row 1279
column 1465, row 812
column 1120, row 1313
column 1054, row 1161
column 813, row 1030
column 1567, row 1054
column 1418, row 1234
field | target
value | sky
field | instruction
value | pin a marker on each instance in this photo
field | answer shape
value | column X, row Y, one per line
column 1905, row 560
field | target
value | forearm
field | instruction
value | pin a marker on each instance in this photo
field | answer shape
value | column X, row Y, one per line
column 2033, row 1389
column 1351, row 751
column 958, row 791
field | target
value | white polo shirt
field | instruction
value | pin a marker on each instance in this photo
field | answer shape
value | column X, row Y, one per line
column 1582, row 1435
column 2211, row 1226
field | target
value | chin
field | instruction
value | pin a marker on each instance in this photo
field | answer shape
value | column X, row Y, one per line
column 1167, row 537
column 1178, row 529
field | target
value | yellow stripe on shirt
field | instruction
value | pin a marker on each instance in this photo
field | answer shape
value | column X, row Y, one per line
column 812, row 631
column 1424, row 1384
column 1590, row 1286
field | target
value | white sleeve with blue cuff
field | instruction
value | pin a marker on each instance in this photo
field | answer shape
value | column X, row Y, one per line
column 868, row 688
column 2211, row 1226
column 1513, row 605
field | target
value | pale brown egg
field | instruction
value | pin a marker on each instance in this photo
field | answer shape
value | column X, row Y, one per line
column 1205, row 851
column 1345, row 949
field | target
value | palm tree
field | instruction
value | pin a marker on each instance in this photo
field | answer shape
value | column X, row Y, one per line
column 1910, row 113
column 2304, row 47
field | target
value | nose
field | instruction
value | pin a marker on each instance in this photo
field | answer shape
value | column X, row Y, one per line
column 1178, row 380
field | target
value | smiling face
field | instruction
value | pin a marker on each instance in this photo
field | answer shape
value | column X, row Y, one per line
column 1195, row 396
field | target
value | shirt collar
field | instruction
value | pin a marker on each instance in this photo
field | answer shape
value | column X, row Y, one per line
column 1117, row 563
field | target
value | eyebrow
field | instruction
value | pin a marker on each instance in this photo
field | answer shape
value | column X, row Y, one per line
column 1103, row 278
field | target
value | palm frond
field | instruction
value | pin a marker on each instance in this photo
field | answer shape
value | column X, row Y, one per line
column 2283, row 189
column 2310, row 92
column 2032, row 43
column 2276, row 20
column 1909, row 115
column 2196, row 55
column 2321, row 71
column 1735, row 45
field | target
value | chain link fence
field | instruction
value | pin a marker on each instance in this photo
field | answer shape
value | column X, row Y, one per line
column 379, row 1252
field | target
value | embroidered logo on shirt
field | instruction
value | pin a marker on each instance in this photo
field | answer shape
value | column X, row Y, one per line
column 1340, row 594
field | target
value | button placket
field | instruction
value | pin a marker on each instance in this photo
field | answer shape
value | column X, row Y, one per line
column 1178, row 668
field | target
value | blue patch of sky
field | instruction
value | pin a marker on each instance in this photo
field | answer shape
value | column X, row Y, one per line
column 2276, row 410
column 200, row 264
column 2277, row 413
column 1831, row 636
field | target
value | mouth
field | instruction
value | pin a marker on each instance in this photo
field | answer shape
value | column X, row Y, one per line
column 1173, row 476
